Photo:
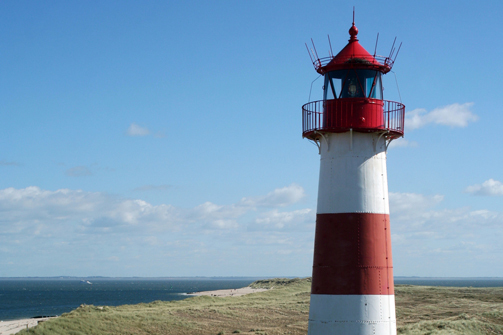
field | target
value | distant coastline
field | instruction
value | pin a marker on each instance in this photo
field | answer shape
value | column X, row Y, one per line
column 223, row 278
column 448, row 278
column 137, row 278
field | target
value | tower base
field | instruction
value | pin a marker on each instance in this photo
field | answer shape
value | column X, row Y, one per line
column 352, row 315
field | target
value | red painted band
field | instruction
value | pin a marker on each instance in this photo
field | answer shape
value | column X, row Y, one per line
column 352, row 254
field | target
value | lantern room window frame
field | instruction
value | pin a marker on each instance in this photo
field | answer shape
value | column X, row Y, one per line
column 352, row 74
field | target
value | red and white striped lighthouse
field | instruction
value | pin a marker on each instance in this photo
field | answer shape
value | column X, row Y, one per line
column 352, row 289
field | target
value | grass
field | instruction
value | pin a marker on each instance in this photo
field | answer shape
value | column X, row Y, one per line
column 283, row 310
column 449, row 310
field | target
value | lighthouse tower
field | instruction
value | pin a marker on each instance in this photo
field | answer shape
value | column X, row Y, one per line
column 352, row 287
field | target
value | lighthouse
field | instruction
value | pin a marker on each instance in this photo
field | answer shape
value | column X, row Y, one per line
column 352, row 285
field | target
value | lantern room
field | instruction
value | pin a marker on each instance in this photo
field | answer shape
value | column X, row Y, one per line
column 353, row 94
column 352, row 83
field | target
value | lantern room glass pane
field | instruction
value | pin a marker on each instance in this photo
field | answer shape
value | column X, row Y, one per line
column 328, row 93
column 353, row 85
column 336, row 84
column 333, row 83
column 373, row 88
column 377, row 90
column 369, row 85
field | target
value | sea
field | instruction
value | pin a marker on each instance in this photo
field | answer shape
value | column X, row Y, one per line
column 22, row 298
column 35, row 297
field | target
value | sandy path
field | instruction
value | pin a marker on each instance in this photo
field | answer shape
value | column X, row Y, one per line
column 230, row 293
column 12, row 327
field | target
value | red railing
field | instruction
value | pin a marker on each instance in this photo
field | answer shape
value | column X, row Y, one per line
column 323, row 61
column 359, row 114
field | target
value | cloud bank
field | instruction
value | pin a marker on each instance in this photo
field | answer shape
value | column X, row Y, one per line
column 85, row 211
column 429, row 240
column 41, row 229
column 95, row 233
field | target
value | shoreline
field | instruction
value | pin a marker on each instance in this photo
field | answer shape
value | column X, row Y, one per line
column 237, row 292
column 14, row 326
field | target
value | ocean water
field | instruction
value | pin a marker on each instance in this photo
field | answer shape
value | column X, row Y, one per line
column 26, row 298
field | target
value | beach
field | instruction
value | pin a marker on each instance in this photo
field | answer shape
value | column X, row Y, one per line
column 12, row 327
column 230, row 293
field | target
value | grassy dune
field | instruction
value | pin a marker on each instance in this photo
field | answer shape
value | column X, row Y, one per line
column 283, row 310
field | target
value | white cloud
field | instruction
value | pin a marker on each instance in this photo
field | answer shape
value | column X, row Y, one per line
column 136, row 130
column 455, row 115
column 32, row 209
column 490, row 187
column 213, row 216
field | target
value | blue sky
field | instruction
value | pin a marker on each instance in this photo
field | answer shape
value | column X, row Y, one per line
column 164, row 138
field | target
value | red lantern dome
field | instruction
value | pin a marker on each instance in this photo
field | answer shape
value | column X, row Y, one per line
column 354, row 55
column 353, row 99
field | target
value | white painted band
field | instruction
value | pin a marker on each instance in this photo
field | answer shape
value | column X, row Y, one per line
column 352, row 314
column 353, row 178
column 352, row 328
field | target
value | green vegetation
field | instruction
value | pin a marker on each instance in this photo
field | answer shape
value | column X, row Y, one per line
column 283, row 310
column 449, row 310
